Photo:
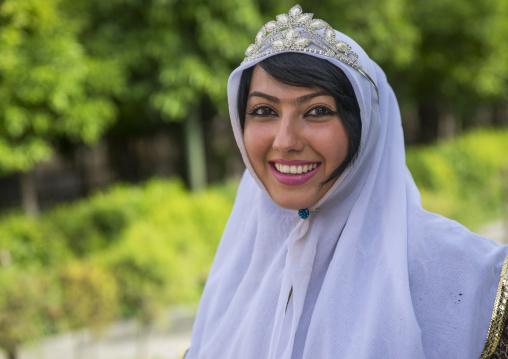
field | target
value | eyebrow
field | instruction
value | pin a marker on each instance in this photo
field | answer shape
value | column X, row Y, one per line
column 298, row 101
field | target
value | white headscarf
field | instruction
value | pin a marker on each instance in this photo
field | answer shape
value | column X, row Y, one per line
column 373, row 274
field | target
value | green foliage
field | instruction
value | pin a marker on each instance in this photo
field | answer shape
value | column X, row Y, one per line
column 97, row 223
column 86, row 227
column 173, row 53
column 131, row 251
column 32, row 243
column 428, row 59
column 69, row 231
column 464, row 60
column 465, row 178
column 383, row 28
column 165, row 256
column 27, row 303
column 39, row 302
column 70, row 68
column 50, row 87
column 89, row 295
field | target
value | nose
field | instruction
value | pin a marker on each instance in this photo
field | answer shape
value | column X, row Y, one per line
column 288, row 135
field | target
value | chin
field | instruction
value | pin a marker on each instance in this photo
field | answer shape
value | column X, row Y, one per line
column 293, row 205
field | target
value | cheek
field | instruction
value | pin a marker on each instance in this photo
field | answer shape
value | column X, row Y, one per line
column 333, row 145
column 257, row 142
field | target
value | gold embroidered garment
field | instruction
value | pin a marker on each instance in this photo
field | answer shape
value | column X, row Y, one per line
column 496, row 346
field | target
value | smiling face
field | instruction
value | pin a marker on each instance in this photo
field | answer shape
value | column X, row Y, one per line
column 294, row 139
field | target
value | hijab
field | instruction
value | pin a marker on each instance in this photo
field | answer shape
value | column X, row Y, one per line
column 372, row 274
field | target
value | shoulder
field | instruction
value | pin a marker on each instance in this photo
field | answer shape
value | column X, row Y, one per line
column 454, row 276
column 441, row 243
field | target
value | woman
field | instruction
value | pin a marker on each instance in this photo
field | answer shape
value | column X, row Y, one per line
column 328, row 252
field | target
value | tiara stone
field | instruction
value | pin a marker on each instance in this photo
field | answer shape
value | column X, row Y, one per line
column 270, row 26
column 317, row 24
column 298, row 31
column 291, row 34
column 282, row 19
column 278, row 44
column 342, row 46
column 295, row 10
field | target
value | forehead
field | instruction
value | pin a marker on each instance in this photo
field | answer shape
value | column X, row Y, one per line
column 262, row 82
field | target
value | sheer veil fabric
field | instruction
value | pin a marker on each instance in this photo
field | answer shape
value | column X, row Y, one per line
column 373, row 274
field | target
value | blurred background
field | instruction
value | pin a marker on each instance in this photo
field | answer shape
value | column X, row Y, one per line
column 118, row 167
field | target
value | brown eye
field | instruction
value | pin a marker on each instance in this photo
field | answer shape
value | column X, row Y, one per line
column 262, row 111
column 320, row 111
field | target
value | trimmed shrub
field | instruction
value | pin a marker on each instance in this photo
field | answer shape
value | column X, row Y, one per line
column 134, row 250
column 94, row 224
column 32, row 243
column 89, row 295
column 463, row 178
column 164, row 257
column 28, row 302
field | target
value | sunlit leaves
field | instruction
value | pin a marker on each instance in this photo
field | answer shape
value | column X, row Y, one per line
column 174, row 53
column 24, row 155
column 70, row 68
column 50, row 87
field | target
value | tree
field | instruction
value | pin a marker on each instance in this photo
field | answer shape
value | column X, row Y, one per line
column 462, row 61
column 177, row 56
column 50, row 87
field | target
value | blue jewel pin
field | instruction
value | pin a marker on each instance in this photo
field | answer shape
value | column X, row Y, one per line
column 303, row 213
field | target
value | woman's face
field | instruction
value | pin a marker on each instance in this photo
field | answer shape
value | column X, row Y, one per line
column 294, row 138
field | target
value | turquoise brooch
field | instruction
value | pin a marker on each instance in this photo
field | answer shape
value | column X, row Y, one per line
column 303, row 213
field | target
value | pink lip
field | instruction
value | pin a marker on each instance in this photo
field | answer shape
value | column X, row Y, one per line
column 293, row 180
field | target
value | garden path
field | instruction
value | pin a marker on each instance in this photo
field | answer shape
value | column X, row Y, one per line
column 168, row 340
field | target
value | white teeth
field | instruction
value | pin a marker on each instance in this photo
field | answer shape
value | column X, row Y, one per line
column 299, row 169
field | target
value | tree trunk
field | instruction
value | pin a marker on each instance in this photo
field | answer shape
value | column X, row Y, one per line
column 12, row 353
column 428, row 114
column 29, row 194
column 196, row 159
column 500, row 115
column 447, row 126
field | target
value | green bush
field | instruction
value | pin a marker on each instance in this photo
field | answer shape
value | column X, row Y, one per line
column 28, row 302
column 165, row 256
column 94, row 224
column 133, row 251
column 89, row 295
column 29, row 242
column 465, row 178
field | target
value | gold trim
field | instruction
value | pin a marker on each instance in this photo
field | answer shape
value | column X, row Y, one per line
column 499, row 314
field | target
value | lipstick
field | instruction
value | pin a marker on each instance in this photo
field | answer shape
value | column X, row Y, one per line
column 293, row 179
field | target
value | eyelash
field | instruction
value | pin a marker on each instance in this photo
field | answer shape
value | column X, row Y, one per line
column 326, row 111
column 254, row 113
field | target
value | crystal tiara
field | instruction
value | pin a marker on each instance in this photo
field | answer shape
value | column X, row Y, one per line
column 283, row 35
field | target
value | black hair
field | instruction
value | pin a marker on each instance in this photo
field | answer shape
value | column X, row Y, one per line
column 302, row 70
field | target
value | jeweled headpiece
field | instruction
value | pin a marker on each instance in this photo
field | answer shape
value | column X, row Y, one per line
column 298, row 31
